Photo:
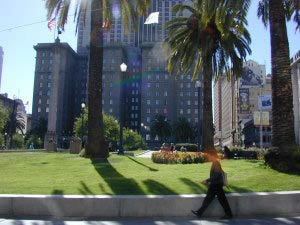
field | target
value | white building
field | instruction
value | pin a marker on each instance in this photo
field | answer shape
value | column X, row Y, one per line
column 295, row 65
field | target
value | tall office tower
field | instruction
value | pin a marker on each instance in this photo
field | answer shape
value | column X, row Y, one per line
column 150, row 89
column 58, row 78
column 1, row 64
column 295, row 64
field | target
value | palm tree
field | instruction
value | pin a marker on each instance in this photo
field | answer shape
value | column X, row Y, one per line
column 100, row 12
column 275, row 13
column 212, row 38
column 183, row 131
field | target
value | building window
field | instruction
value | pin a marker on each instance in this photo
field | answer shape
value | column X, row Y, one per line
column 196, row 102
column 157, row 102
column 48, row 101
column 111, row 102
column 148, row 85
column 40, row 93
column 181, row 111
column 48, row 93
column 110, row 110
column 188, row 111
column 148, row 137
column 148, row 119
column 148, row 102
column 181, row 85
column 148, row 110
column 157, row 93
column 157, row 85
column 165, row 93
column 181, row 93
column 41, row 84
column 196, row 111
column 49, row 85
column 47, row 109
column 40, row 101
column 196, row 93
column 188, row 102
column 188, row 85
column 39, row 109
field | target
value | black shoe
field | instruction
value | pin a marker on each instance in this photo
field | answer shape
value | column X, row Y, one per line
column 226, row 217
column 196, row 213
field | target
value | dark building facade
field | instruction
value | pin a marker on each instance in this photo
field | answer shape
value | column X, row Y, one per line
column 61, row 93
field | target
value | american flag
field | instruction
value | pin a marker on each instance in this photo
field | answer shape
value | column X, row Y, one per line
column 51, row 23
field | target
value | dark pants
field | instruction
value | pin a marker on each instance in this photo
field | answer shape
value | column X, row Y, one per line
column 214, row 190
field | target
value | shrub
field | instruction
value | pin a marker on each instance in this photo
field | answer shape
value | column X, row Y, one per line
column 179, row 157
column 17, row 141
column 285, row 159
column 189, row 147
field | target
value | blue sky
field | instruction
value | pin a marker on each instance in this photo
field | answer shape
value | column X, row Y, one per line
column 19, row 55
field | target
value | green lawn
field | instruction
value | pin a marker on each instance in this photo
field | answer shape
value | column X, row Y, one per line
column 62, row 173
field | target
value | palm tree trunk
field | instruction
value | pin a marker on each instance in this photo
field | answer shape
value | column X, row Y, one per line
column 207, row 127
column 283, row 117
column 96, row 144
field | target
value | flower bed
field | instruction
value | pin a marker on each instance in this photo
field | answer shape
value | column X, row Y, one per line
column 165, row 157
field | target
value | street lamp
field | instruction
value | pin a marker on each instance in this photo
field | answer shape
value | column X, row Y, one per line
column 260, row 115
column 123, row 68
column 82, row 124
column 198, row 86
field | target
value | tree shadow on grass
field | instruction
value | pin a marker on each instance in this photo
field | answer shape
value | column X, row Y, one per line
column 157, row 188
column 119, row 184
column 142, row 164
column 194, row 187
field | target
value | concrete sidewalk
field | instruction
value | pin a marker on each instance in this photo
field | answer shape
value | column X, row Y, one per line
column 161, row 221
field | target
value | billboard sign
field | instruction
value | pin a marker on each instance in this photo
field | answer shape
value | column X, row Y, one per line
column 250, row 78
column 265, row 118
column 244, row 100
column 265, row 102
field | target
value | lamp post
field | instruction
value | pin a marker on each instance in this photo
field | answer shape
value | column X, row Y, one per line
column 198, row 86
column 260, row 115
column 123, row 68
column 82, row 124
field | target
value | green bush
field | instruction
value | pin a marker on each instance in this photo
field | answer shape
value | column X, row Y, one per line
column 17, row 141
column 35, row 140
column 189, row 147
column 132, row 140
column 179, row 157
column 285, row 159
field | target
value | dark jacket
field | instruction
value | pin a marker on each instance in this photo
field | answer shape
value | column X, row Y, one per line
column 215, row 178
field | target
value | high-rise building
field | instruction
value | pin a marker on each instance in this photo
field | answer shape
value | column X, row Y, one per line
column 150, row 89
column 59, row 87
column 295, row 64
column 1, row 64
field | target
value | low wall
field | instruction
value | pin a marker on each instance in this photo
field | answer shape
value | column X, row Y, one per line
column 245, row 204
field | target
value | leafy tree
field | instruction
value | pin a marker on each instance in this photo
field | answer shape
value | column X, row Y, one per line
column 132, row 140
column 275, row 13
column 110, row 124
column 17, row 141
column 212, row 39
column 160, row 127
column 183, row 131
column 101, row 12
column 3, row 120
